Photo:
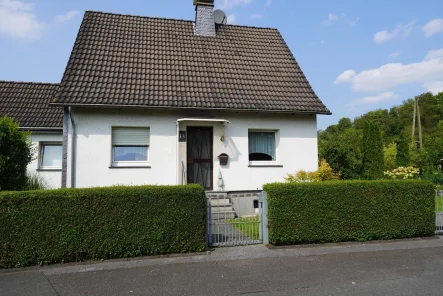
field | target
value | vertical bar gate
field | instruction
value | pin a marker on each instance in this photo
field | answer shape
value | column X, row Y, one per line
column 233, row 223
column 439, row 211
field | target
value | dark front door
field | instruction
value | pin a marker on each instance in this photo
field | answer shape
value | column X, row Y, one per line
column 199, row 155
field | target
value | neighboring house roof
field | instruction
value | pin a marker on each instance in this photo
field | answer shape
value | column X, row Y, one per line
column 131, row 61
column 28, row 102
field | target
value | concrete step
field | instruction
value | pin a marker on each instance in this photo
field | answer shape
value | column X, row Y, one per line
column 220, row 215
column 222, row 209
column 220, row 202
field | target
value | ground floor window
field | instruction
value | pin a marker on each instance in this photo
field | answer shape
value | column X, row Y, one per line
column 51, row 155
column 262, row 145
column 130, row 144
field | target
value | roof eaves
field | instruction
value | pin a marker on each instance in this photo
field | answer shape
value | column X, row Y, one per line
column 327, row 112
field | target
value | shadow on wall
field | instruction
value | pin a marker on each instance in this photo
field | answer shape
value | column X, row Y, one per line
column 231, row 149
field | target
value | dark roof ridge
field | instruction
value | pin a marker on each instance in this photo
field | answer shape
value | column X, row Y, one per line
column 172, row 19
column 29, row 82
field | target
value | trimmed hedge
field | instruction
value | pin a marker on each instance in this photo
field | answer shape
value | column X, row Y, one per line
column 349, row 211
column 68, row 225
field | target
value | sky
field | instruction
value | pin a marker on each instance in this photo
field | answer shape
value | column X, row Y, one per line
column 358, row 55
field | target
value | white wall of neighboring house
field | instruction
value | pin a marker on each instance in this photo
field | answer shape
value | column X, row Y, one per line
column 52, row 179
column 296, row 147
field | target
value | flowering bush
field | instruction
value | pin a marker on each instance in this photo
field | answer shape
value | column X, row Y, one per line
column 402, row 173
column 324, row 173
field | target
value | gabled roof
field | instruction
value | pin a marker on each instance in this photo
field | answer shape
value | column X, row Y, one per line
column 28, row 102
column 122, row 60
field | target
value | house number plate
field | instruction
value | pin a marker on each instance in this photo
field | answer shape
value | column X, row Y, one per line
column 182, row 136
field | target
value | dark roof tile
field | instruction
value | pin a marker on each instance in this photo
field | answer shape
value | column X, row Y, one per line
column 28, row 102
column 153, row 62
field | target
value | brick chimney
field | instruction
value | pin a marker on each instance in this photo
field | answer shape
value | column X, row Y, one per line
column 204, row 18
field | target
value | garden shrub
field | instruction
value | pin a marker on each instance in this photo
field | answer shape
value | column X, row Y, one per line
column 323, row 173
column 16, row 152
column 68, row 225
column 337, row 211
column 403, row 173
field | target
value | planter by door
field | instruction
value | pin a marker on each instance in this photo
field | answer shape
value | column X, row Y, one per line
column 200, row 156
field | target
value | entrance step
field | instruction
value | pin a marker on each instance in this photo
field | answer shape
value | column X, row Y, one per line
column 223, row 202
column 223, row 215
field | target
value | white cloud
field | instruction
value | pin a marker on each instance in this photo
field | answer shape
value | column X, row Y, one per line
column 392, row 75
column 256, row 16
column 346, row 76
column 434, row 87
column 333, row 17
column 399, row 31
column 227, row 4
column 386, row 96
column 268, row 3
column 434, row 54
column 60, row 18
column 395, row 54
column 433, row 27
column 231, row 18
column 17, row 20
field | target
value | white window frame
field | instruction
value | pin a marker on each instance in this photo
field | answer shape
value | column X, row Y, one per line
column 41, row 146
column 277, row 141
column 130, row 163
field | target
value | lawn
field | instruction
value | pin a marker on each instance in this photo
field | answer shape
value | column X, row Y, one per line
column 249, row 226
column 439, row 204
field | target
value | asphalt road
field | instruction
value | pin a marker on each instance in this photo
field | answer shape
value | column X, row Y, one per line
column 401, row 268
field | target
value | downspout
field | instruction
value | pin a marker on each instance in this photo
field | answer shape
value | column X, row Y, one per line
column 65, row 146
column 177, row 155
column 73, row 150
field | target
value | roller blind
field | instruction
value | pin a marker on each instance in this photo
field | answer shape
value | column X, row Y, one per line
column 130, row 136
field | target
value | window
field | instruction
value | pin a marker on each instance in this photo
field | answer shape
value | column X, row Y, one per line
column 130, row 144
column 262, row 145
column 51, row 155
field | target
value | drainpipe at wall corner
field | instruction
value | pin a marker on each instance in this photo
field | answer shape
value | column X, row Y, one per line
column 73, row 149
column 177, row 154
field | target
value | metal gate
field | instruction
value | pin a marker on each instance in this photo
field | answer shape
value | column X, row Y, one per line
column 439, row 211
column 232, row 222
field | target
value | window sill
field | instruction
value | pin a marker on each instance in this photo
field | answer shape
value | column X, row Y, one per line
column 263, row 165
column 130, row 167
column 49, row 170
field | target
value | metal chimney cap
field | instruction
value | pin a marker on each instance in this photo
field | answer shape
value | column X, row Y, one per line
column 204, row 2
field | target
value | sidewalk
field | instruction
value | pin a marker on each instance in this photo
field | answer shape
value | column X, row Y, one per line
column 249, row 269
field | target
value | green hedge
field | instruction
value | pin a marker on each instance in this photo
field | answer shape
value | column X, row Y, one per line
column 67, row 225
column 349, row 211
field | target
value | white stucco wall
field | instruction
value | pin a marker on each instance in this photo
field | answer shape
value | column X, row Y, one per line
column 296, row 147
column 52, row 179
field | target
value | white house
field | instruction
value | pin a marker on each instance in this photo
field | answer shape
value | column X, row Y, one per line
column 162, row 101
column 28, row 103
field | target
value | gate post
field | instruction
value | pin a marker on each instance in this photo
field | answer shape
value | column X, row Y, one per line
column 209, row 221
column 264, row 217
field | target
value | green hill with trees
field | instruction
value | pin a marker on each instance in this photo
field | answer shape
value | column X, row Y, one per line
column 381, row 140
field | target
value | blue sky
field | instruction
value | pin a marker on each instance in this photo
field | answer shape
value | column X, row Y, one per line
column 358, row 55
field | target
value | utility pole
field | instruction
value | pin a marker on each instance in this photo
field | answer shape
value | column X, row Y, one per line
column 417, row 114
column 419, row 125
column 413, row 120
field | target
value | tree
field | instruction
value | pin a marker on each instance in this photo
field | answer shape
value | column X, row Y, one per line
column 343, row 152
column 16, row 152
column 403, row 158
column 344, row 124
column 373, row 162
column 390, row 157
